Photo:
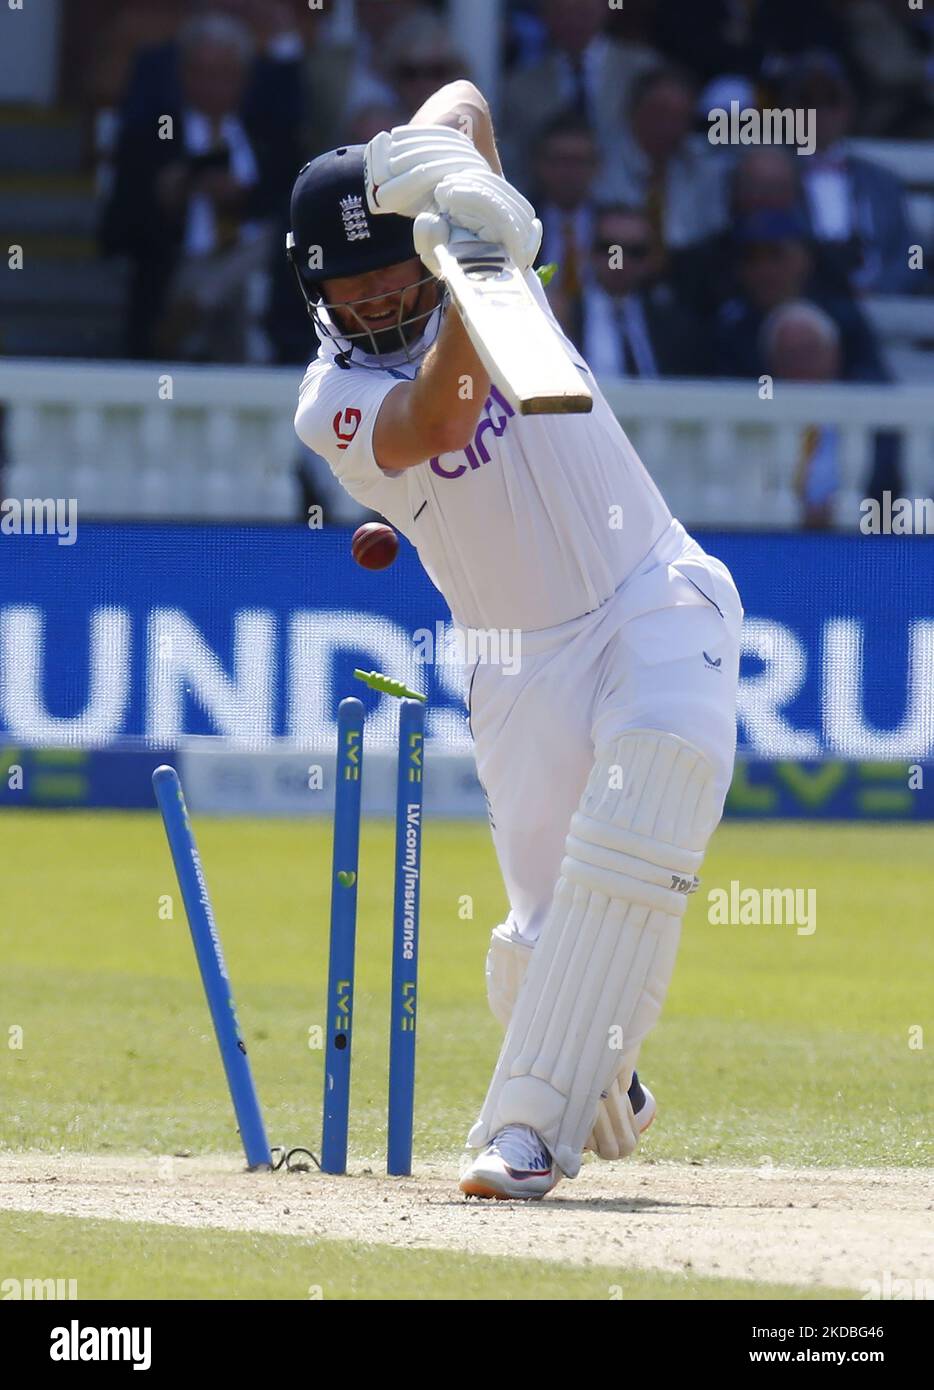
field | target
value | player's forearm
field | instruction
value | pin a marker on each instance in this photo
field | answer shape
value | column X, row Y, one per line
column 436, row 413
column 450, row 389
column 462, row 106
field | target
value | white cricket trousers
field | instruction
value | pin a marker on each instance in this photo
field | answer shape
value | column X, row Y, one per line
column 662, row 653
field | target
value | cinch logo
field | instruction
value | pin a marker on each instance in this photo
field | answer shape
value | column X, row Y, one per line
column 477, row 452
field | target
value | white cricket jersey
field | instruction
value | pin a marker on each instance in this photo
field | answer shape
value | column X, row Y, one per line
column 539, row 520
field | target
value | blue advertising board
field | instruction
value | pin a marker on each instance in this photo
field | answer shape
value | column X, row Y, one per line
column 154, row 633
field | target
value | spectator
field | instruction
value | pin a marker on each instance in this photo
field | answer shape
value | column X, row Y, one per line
column 786, row 29
column 892, row 48
column 755, row 38
column 775, row 267
column 665, row 168
column 368, row 121
column 799, row 342
column 635, row 24
column 420, row 58
column 856, row 208
column 271, row 104
column 582, row 70
column 346, row 72
column 565, row 162
column 631, row 324
column 191, row 210
column 765, row 179
column 524, row 38
column 710, row 39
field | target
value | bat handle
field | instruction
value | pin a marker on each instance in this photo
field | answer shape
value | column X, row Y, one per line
column 460, row 237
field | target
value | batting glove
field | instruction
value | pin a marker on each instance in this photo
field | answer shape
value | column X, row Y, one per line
column 483, row 203
column 404, row 166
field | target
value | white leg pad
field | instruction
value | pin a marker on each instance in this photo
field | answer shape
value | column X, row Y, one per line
column 599, row 974
column 506, row 963
column 615, row 1134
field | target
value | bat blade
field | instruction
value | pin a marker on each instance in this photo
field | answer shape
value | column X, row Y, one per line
column 511, row 335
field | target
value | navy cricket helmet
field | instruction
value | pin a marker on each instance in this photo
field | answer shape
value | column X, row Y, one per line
column 334, row 234
column 330, row 214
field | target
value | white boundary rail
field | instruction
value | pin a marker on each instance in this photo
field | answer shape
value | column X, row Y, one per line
column 223, row 446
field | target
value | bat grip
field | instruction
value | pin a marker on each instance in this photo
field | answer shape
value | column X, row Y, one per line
column 461, row 234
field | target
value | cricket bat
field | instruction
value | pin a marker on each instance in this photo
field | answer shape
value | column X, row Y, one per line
column 512, row 336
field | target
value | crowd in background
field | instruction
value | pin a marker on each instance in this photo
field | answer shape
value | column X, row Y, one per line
column 602, row 121
column 736, row 260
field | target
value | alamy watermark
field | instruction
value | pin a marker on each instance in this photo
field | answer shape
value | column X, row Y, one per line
column 753, row 907
column 898, row 1290
column 896, row 516
column 40, row 516
column 84, row 1343
column 29, row 1290
column 473, row 646
column 773, row 126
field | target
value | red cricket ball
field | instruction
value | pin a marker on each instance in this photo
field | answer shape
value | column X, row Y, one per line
column 374, row 545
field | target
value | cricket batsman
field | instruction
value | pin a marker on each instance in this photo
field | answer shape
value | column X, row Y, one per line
column 606, row 756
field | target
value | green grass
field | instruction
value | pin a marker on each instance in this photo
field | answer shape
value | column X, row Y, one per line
column 112, row 1259
column 795, row 1047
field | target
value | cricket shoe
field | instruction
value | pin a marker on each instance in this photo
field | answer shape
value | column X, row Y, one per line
column 514, row 1166
column 643, row 1104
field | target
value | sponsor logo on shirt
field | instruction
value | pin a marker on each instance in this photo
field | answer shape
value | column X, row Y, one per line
column 346, row 423
column 477, row 453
